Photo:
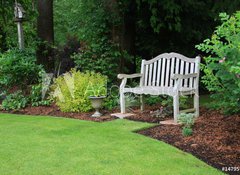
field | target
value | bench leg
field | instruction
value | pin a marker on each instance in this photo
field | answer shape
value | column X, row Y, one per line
column 175, row 107
column 196, row 104
column 122, row 103
column 142, row 102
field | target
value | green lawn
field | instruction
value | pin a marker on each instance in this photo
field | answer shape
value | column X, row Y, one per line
column 47, row 145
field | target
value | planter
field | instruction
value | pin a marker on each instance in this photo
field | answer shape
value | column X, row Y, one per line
column 97, row 104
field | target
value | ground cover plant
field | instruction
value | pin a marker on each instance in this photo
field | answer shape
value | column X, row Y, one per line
column 40, row 145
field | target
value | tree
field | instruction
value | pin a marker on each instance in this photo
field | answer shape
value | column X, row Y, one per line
column 45, row 33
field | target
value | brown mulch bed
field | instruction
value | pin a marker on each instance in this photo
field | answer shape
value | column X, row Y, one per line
column 53, row 110
column 215, row 139
column 146, row 115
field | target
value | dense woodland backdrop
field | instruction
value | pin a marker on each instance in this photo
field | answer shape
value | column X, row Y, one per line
column 111, row 37
column 109, row 33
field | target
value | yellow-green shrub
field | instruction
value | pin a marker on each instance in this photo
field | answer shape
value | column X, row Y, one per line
column 70, row 90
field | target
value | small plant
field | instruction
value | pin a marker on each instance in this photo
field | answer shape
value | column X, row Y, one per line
column 36, row 98
column 187, row 131
column 97, row 88
column 14, row 101
column 187, row 120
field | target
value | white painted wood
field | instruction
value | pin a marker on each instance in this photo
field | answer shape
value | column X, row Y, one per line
column 163, row 71
column 150, row 76
column 155, row 80
column 146, row 76
column 191, row 71
column 142, row 102
column 167, row 73
column 154, row 74
column 159, row 71
column 169, row 56
column 172, row 70
column 142, row 72
column 186, row 81
column 175, row 107
column 181, row 72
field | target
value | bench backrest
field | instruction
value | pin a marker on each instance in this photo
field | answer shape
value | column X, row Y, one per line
column 159, row 70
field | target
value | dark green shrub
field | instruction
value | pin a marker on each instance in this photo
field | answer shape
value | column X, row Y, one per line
column 14, row 101
column 18, row 68
column 222, row 68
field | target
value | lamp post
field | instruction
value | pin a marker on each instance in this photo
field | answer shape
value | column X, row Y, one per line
column 19, row 18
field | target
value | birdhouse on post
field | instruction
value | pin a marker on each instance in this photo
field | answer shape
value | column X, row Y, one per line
column 19, row 18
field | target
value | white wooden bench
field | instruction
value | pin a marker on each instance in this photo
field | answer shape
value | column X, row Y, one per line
column 167, row 74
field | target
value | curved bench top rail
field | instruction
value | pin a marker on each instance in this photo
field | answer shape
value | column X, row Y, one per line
column 169, row 56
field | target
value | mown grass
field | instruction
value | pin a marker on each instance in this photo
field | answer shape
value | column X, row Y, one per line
column 47, row 145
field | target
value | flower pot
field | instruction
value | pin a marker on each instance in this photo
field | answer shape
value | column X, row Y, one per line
column 97, row 104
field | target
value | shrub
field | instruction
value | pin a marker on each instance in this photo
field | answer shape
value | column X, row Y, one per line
column 18, row 68
column 14, row 101
column 36, row 98
column 222, row 68
column 71, row 90
column 187, row 120
column 187, row 131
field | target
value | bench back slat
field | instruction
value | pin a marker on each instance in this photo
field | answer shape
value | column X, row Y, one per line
column 163, row 72
column 159, row 70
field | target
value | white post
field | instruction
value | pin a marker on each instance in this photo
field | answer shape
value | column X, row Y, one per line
column 175, row 107
column 20, row 35
column 122, row 97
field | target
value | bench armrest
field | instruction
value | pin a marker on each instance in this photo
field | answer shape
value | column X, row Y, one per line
column 178, row 76
column 122, row 76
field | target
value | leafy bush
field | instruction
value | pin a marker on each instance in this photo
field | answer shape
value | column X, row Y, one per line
column 222, row 69
column 187, row 131
column 187, row 120
column 14, row 101
column 71, row 90
column 18, row 68
column 36, row 98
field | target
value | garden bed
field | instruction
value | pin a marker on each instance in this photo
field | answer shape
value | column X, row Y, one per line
column 215, row 139
column 53, row 110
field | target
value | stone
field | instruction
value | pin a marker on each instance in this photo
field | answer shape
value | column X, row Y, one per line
column 168, row 122
column 121, row 116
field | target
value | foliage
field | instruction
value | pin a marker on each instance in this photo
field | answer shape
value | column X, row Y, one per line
column 91, row 22
column 171, row 25
column 36, row 98
column 8, row 28
column 71, row 90
column 14, row 101
column 165, row 100
column 187, row 131
column 187, row 120
column 18, row 68
column 222, row 68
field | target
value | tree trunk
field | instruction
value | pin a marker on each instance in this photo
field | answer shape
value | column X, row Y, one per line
column 46, row 34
